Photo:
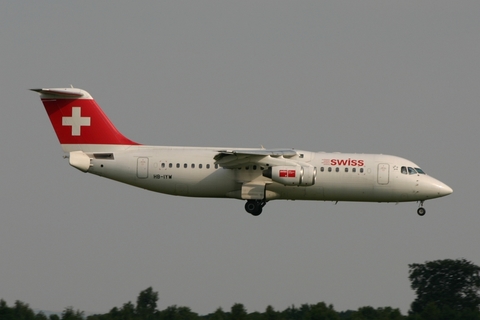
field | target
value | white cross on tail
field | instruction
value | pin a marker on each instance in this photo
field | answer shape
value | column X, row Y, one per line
column 76, row 121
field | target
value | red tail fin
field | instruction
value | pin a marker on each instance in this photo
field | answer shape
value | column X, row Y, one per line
column 79, row 122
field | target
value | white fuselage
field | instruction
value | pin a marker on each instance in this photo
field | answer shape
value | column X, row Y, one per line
column 190, row 171
column 94, row 145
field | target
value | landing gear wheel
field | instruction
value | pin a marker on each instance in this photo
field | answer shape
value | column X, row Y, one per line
column 421, row 211
column 254, row 207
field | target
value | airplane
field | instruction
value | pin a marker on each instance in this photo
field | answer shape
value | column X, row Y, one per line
column 257, row 176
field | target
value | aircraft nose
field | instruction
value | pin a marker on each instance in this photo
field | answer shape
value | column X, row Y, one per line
column 447, row 190
column 439, row 189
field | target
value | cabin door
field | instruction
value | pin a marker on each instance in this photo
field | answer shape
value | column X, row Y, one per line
column 383, row 172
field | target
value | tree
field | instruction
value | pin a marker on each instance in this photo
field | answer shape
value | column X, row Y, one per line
column 128, row 311
column 219, row 314
column 185, row 313
column 147, row 304
column 369, row 313
column 238, row 312
column 452, row 284
column 70, row 314
column 22, row 311
column 41, row 316
column 5, row 312
column 271, row 314
column 321, row 311
column 170, row 313
column 291, row 313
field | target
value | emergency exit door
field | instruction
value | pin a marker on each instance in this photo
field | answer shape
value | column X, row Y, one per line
column 142, row 168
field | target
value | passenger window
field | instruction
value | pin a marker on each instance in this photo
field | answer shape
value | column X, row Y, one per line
column 178, row 165
column 185, row 165
column 208, row 165
column 193, row 165
column 346, row 169
column 216, row 166
column 329, row 169
column 354, row 170
column 361, row 170
column 163, row 165
column 200, row 166
column 170, row 165
column 411, row 170
column 404, row 170
column 337, row 169
column 254, row 167
column 322, row 169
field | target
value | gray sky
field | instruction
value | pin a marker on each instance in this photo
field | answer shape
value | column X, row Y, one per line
column 393, row 77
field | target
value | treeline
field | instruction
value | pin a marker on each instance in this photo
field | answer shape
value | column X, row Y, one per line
column 129, row 311
column 445, row 290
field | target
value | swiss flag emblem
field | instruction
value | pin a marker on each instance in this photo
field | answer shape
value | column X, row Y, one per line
column 81, row 121
column 287, row 173
column 76, row 121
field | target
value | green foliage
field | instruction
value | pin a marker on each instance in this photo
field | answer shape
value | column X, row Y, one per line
column 5, row 312
column 40, row 316
column 434, row 312
column 446, row 285
column 20, row 311
column 271, row 314
column 367, row 313
column 238, row 312
column 317, row 311
column 445, row 289
column 255, row 316
column 70, row 314
column 321, row 311
column 177, row 313
column 147, row 304
column 128, row 311
column 219, row 314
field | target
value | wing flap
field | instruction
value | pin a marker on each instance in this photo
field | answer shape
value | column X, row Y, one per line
column 230, row 159
column 258, row 152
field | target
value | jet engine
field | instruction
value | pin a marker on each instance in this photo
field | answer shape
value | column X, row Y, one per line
column 292, row 175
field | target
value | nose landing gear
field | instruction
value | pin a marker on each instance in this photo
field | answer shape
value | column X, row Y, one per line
column 421, row 210
column 254, row 207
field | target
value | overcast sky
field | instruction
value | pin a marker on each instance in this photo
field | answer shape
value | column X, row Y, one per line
column 392, row 77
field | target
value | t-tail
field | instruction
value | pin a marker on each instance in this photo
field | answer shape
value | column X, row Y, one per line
column 79, row 122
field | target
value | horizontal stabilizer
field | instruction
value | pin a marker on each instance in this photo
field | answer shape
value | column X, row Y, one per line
column 63, row 92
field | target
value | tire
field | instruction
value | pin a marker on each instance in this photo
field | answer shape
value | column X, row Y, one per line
column 421, row 211
column 253, row 207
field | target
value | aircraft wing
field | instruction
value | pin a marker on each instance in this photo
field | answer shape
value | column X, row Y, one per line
column 230, row 159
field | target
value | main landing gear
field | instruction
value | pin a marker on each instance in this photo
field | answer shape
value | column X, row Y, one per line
column 421, row 210
column 254, row 207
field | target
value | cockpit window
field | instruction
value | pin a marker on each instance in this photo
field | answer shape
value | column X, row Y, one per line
column 420, row 171
column 410, row 170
